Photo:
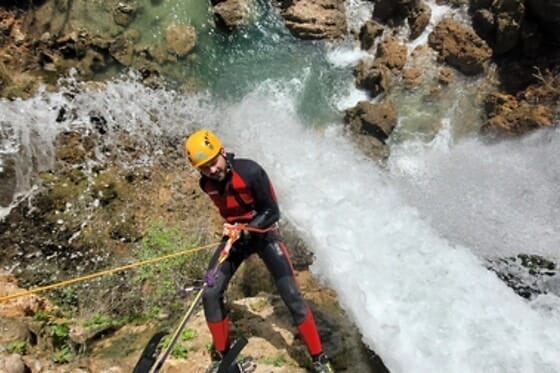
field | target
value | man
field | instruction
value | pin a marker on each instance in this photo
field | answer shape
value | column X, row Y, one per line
column 242, row 191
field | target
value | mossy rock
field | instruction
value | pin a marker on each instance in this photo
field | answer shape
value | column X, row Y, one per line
column 109, row 186
column 62, row 189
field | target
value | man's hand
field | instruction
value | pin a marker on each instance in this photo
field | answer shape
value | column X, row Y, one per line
column 233, row 230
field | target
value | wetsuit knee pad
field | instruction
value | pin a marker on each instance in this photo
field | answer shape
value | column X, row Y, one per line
column 212, row 300
column 293, row 299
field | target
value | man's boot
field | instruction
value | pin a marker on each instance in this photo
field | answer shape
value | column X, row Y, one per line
column 321, row 364
column 244, row 366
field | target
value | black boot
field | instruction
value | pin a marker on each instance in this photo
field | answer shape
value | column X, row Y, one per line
column 321, row 364
column 243, row 366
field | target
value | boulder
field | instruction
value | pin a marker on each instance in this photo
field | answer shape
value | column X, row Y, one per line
column 124, row 12
column 12, row 364
column 23, row 306
column 459, row 46
column 369, row 32
column 377, row 120
column 393, row 11
column 376, row 79
column 411, row 77
column 232, row 13
column 418, row 19
column 391, row 54
column 180, row 39
column 315, row 19
column 506, row 115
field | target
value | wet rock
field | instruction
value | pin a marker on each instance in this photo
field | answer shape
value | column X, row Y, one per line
column 125, row 12
column 180, row 39
column 377, row 120
column 369, row 32
column 64, row 17
column 418, row 19
column 500, row 23
column 391, row 54
column 9, row 182
column 528, row 275
column 108, row 187
column 393, row 12
column 508, row 116
column 546, row 90
column 411, row 77
column 73, row 147
column 315, row 19
column 459, row 46
column 445, row 76
column 122, row 50
column 509, row 18
column 232, row 13
column 484, row 23
column 376, row 79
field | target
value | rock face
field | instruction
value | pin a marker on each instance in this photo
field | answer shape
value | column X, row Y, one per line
column 501, row 23
column 18, row 307
column 418, row 19
column 392, row 54
column 376, row 120
column 232, row 13
column 370, row 31
column 315, row 19
column 180, row 39
column 394, row 12
column 548, row 12
column 376, row 79
column 12, row 364
column 506, row 115
column 460, row 46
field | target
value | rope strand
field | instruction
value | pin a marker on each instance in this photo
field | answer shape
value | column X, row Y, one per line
column 105, row 272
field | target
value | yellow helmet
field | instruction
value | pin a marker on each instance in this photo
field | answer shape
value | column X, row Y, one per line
column 201, row 147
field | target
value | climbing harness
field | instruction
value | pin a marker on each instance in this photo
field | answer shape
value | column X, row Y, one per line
column 209, row 278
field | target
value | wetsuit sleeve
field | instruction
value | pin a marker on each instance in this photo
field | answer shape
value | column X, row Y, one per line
column 266, row 206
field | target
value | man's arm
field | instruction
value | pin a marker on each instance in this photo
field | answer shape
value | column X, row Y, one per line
column 266, row 206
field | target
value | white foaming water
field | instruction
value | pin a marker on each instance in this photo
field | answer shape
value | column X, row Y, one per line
column 438, row 12
column 498, row 200
column 423, row 304
column 33, row 125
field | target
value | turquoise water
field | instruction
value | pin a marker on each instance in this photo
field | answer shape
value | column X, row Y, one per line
column 230, row 64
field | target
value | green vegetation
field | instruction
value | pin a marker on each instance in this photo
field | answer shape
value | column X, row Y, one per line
column 179, row 351
column 101, row 322
column 63, row 356
column 277, row 361
column 188, row 335
column 161, row 280
column 19, row 347
column 59, row 332
column 42, row 316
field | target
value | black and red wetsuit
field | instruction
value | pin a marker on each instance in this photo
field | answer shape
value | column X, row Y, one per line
column 247, row 196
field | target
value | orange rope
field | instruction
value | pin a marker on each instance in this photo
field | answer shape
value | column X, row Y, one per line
column 239, row 228
column 105, row 272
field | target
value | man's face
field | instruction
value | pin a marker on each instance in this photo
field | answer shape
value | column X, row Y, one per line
column 216, row 168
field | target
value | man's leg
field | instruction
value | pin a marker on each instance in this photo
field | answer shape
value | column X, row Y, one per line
column 276, row 258
column 213, row 299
